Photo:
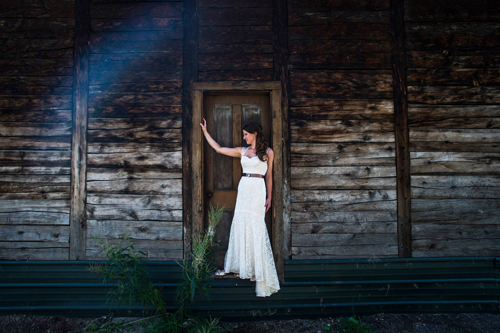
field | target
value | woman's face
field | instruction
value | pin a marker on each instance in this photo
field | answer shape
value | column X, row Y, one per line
column 249, row 137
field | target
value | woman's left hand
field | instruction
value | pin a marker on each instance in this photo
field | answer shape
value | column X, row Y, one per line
column 268, row 203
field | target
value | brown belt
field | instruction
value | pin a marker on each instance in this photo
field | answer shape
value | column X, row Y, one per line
column 252, row 175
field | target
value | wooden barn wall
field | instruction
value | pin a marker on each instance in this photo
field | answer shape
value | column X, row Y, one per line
column 36, row 77
column 134, row 178
column 454, row 95
column 235, row 40
column 342, row 130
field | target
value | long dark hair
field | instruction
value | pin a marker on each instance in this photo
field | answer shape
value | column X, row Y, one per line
column 261, row 143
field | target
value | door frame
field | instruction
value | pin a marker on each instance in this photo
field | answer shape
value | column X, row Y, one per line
column 195, row 226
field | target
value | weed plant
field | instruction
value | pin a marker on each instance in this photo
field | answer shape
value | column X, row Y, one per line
column 131, row 284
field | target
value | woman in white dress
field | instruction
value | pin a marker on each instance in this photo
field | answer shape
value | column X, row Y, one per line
column 249, row 252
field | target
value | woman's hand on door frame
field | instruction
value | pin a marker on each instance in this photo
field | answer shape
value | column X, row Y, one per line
column 268, row 203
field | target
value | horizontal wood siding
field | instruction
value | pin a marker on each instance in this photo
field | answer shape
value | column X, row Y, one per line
column 235, row 40
column 454, row 119
column 134, row 179
column 36, row 77
column 343, row 172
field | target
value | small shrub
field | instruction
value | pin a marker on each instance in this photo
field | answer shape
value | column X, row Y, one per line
column 125, row 270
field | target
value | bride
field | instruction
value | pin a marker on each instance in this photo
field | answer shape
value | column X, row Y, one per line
column 249, row 254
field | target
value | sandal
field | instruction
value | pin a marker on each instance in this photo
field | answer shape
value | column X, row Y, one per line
column 220, row 272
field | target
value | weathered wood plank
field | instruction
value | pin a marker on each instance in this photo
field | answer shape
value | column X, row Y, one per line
column 235, row 16
column 327, row 207
column 356, row 31
column 346, row 109
column 456, row 59
column 154, row 249
column 109, row 43
column 471, row 77
column 362, row 217
column 130, row 172
column 322, row 16
column 329, row 5
column 37, row 251
column 233, row 3
column 345, row 252
column 27, row 162
column 18, row 8
column 238, row 75
column 452, row 10
column 351, row 196
column 136, row 186
column 455, row 187
column 455, row 248
column 476, row 136
column 100, row 100
column 46, row 102
column 136, row 61
column 443, row 35
column 172, row 121
column 456, row 211
column 48, row 116
column 133, row 10
column 34, row 129
column 164, row 161
column 35, row 233
column 167, row 201
column 453, row 162
column 173, row 25
column 161, row 231
column 453, row 95
column 28, row 66
column 338, row 60
column 453, row 232
column 341, row 130
column 136, row 111
column 231, row 62
column 140, row 134
column 131, row 147
column 340, row 48
column 315, row 154
column 117, row 212
column 36, row 143
column 241, row 48
column 34, row 218
column 49, row 27
column 378, row 177
column 236, row 34
column 124, row 78
column 343, row 239
column 342, row 227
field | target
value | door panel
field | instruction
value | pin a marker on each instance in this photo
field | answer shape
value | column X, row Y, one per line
column 226, row 114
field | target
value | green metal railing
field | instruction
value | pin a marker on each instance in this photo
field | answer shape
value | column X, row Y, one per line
column 311, row 288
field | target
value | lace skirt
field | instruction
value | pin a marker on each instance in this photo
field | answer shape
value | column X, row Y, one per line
column 249, row 251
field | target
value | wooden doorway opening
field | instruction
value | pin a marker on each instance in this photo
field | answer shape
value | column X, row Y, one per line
column 231, row 105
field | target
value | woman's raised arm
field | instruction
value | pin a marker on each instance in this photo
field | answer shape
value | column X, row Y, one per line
column 233, row 152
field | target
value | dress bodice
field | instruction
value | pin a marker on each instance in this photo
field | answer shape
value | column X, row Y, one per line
column 252, row 164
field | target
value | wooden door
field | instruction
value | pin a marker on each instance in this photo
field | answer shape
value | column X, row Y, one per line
column 226, row 114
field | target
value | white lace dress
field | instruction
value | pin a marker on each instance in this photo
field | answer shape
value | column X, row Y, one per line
column 249, row 251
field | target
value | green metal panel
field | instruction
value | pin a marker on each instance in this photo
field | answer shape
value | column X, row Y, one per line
column 311, row 288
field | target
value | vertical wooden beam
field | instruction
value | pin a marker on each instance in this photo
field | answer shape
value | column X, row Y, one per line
column 78, row 219
column 401, row 129
column 189, row 75
column 278, row 181
column 197, row 205
column 281, row 73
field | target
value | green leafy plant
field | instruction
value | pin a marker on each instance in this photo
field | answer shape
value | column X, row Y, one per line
column 353, row 325
column 125, row 271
